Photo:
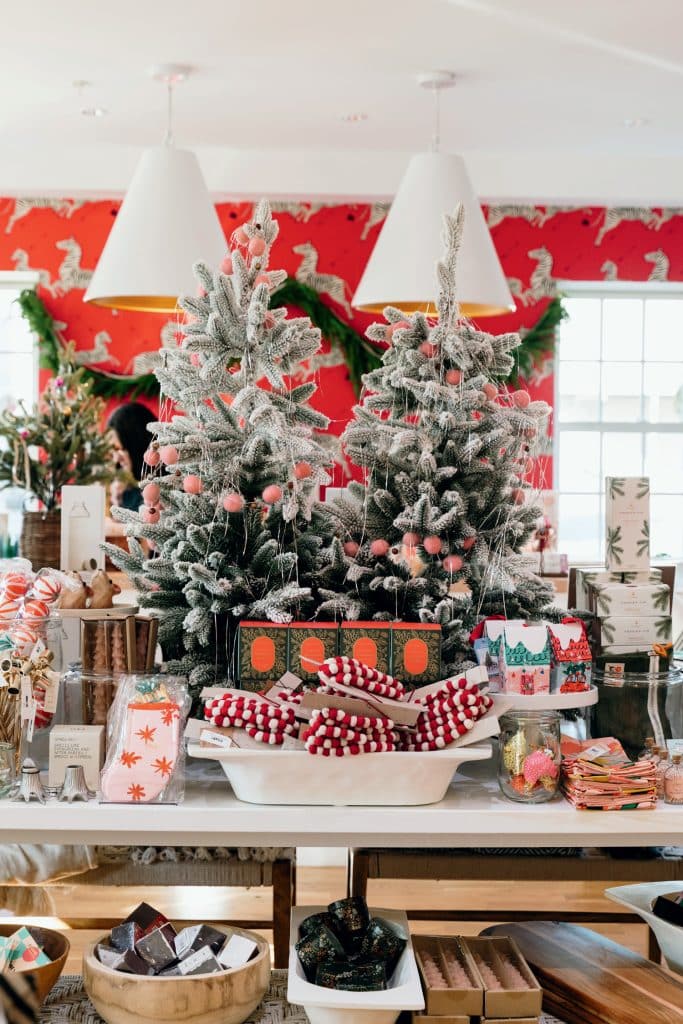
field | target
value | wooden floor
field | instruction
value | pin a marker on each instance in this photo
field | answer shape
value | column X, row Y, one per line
column 315, row 886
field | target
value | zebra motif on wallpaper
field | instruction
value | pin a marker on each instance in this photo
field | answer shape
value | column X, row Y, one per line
column 660, row 261
column 20, row 259
column 609, row 270
column 71, row 273
column 299, row 211
column 615, row 215
column 542, row 284
column 517, row 290
column 99, row 353
column 376, row 214
column 22, row 207
column 330, row 284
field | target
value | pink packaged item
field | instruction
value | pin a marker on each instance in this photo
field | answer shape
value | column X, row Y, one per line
column 145, row 756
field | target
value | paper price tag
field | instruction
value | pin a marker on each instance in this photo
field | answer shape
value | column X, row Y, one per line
column 215, row 739
column 51, row 681
column 26, row 696
column 31, row 721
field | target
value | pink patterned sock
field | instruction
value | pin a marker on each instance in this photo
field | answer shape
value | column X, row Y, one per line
column 145, row 756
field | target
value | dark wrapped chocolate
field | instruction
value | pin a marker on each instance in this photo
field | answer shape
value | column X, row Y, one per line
column 352, row 917
column 315, row 922
column 147, row 918
column 125, row 936
column 156, row 949
column 131, row 963
column 669, row 907
column 195, row 937
column 382, row 942
column 317, row 948
column 343, row 975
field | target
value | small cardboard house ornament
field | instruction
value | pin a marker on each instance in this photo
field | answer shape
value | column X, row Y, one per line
column 571, row 657
column 524, row 659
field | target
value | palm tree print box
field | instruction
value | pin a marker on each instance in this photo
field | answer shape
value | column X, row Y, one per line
column 627, row 523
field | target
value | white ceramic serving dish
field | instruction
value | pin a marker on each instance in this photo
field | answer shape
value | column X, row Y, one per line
column 331, row 1006
column 552, row 701
column 397, row 779
column 639, row 899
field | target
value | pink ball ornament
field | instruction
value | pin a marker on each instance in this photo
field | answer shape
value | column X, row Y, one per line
column 150, row 514
column 271, row 494
column 256, row 247
column 262, row 279
column 168, row 455
column 151, row 493
column 240, row 236
column 411, row 539
column 432, row 544
column 151, row 457
column 428, row 349
column 469, row 543
column 452, row 563
column 201, row 291
column 196, row 360
column 454, row 376
column 226, row 265
column 399, row 325
column 233, row 502
column 521, row 399
column 192, row 484
column 379, row 548
column 351, row 548
column 490, row 390
column 302, row 470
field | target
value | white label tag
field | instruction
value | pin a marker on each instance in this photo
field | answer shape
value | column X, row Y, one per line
column 51, row 680
column 31, row 720
column 26, row 696
column 215, row 739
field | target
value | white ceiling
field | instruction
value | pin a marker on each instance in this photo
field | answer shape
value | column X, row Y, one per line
column 538, row 113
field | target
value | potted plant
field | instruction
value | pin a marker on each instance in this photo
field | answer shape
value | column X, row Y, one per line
column 60, row 441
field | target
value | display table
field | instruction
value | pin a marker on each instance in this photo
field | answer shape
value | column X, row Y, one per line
column 68, row 1004
column 473, row 814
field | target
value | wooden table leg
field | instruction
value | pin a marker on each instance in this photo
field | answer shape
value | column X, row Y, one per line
column 284, row 882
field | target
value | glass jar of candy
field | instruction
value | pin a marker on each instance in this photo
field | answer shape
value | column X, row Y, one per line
column 529, row 755
column 8, row 775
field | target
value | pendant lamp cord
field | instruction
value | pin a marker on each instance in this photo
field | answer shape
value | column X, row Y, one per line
column 168, row 140
column 436, row 138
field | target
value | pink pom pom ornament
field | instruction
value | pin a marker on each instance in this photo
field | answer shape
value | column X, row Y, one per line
column 256, row 246
column 399, row 325
column 226, row 265
column 192, row 484
column 151, row 457
column 302, row 470
column 271, row 494
column 150, row 514
column 454, row 377
column 151, row 493
column 233, row 502
column 351, row 548
column 490, row 390
column 428, row 349
column 521, row 399
column 432, row 544
column 379, row 548
column 452, row 563
column 168, row 455
column 262, row 279
column 240, row 236
column 411, row 539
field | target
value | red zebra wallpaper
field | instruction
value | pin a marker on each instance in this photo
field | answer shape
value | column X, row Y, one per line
column 327, row 246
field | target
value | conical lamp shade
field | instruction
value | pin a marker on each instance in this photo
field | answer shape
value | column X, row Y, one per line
column 402, row 268
column 166, row 223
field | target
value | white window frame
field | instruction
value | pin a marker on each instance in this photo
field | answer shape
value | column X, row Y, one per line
column 605, row 290
column 18, row 280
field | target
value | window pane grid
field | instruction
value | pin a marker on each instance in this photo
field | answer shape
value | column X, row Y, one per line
column 619, row 413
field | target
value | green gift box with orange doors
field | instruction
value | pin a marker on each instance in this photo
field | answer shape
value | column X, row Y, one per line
column 410, row 651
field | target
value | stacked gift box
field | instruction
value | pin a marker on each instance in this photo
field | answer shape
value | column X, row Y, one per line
column 410, row 651
column 631, row 603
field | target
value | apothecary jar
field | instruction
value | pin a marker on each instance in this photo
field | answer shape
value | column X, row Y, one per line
column 529, row 755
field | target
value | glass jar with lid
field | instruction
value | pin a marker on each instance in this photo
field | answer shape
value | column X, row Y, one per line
column 529, row 755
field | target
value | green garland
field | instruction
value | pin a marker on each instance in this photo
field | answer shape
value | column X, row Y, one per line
column 360, row 355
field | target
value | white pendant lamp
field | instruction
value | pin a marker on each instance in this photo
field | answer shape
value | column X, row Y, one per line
column 401, row 271
column 166, row 223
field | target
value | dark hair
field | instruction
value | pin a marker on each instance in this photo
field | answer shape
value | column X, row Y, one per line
column 130, row 423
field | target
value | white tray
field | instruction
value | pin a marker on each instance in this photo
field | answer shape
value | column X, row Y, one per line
column 639, row 898
column 398, row 778
column 552, row 701
column 330, row 1006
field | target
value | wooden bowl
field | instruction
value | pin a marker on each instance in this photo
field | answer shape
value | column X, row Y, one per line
column 225, row 998
column 56, row 946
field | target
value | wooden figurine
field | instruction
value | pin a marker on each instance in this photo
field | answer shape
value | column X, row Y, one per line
column 74, row 594
column 103, row 590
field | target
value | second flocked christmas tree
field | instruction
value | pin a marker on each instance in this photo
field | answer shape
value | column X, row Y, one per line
column 230, row 504
column 435, row 531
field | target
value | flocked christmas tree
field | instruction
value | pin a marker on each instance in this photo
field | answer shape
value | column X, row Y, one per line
column 435, row 532
column 230, row 504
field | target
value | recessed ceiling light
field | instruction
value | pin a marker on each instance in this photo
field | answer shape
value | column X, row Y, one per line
column 353, row 118
column 635, row 122
column 94, row 111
